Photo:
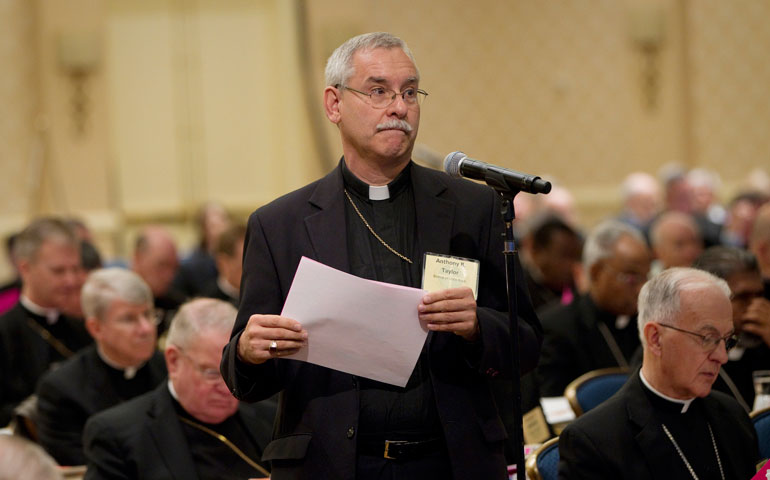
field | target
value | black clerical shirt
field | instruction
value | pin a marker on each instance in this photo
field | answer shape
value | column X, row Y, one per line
column 386, row 411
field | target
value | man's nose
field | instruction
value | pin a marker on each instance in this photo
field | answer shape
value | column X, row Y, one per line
column 399, row 106
column 720, row 353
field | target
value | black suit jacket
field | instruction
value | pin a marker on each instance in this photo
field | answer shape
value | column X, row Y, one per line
column 82, row 386
column 318, row 413
column 623, row 439
column 573, row 344
column 142, row 439
column 25, row 356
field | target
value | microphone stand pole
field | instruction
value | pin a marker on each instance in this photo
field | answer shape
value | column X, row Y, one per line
column 511, row 253
column 507, row 194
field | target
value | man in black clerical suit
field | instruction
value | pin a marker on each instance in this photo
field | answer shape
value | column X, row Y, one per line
column 190, row 427
column 759, row 244
column 33, row 334
column 123, row 363
column 374, row 217
column 228, row 254
column 751, row 318
column 665, row 422
column 598, row 329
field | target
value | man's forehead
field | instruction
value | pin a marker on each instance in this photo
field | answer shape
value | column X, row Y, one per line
column 380, row 65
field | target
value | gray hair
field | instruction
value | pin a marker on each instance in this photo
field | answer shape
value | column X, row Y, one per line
column 603, row 238
column 198, row 316
column 339, row 66
column 659, row 300
column 42, row 230
column 21, row 459
column 106, row 285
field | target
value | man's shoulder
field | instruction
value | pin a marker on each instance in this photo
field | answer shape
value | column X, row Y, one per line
column 70, row 373
column 13, row 318
column 126, row 416
column 561, row 318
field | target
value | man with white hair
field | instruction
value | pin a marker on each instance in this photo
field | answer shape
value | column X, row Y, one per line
column 598, row 329
column 665, row 422
column 190, row 427
column 376, row 216
column 123, row 363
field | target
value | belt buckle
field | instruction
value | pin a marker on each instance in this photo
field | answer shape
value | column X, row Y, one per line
column 387, row 447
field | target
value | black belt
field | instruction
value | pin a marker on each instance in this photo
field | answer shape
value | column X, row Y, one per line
column 400, row 449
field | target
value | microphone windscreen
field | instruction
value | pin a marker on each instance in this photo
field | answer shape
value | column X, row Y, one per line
column 452, row 163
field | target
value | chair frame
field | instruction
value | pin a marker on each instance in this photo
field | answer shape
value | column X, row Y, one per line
column 533, row 473
column 759, row 413
column 571, row 391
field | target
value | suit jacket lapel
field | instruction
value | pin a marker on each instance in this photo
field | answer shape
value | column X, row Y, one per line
column 326, row 227
column 434, row 214
column 170, row 442
column 654, row 450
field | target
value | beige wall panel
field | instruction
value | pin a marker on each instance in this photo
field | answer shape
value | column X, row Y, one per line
column 730, row 84
column 146, row 102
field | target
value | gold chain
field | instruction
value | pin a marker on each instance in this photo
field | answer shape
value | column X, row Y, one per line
column 50, row 339
column 227, row 442
column 402, row 257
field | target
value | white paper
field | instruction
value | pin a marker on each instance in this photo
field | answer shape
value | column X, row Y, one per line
column 366, row 328
column 557, row 410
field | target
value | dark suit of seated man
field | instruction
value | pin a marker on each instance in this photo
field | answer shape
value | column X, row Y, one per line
column 665, row 422
column 124, row 362
column 34, row 335
column 191, row 427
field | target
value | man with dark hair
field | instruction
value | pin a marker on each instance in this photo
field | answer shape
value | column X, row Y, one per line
column 228, row 254
column 759, row 244
column 751, row 318
column 550, row 252
column 34, row 334
column 665, row 422
column 155, row 260
column 376, row 216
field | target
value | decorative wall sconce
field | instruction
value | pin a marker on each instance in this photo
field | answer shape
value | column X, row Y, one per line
column 78, row 55
column 647, row 27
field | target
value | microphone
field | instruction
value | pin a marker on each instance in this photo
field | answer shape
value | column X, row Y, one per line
column 458, row 164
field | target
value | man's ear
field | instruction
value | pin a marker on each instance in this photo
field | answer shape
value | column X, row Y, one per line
column 172, row 355
column 332, row 104
column 595, row 270
column 652, row 337
column 93, row 326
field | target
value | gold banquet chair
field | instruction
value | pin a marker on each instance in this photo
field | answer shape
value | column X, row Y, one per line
column 592, row 388
column 761, row 420
column 543, row 464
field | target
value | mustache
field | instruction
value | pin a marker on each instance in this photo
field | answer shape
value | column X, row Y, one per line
column 396, row 124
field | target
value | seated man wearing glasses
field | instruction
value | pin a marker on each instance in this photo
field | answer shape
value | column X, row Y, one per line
column 123, row 363
column 190, row 427
column 666, row 422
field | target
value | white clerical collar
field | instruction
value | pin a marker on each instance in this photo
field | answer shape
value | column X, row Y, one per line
column 128, row 372
column 228, row 289
column 172, row 391
column 379, row 192
column 51, row 314
column 685, row 403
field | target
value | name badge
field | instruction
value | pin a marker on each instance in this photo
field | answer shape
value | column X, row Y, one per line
column 444, row 271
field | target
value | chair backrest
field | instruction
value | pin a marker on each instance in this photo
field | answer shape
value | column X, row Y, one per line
column 592, row 388
column 543, row 464
column 761, row 420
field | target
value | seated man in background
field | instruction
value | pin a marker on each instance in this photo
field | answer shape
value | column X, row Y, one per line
column 675, row 239
column 759, row 244
column 550, row 251
column 664, row 422
column 122, row 364
column 34, row 334
column 751, row 319
column 597, row 330
column 229, row 256
column 177, row 430
column 155, row 260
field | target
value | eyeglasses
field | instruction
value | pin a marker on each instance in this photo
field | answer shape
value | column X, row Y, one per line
column 382, row 97
column 710, row 342
column 210, row 375
column 152, row 316
column 629, row 278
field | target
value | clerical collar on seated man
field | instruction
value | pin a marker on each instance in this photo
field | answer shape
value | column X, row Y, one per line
column 684, row 403
column 371, row 192
column 50, row 314
column 128, row 372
